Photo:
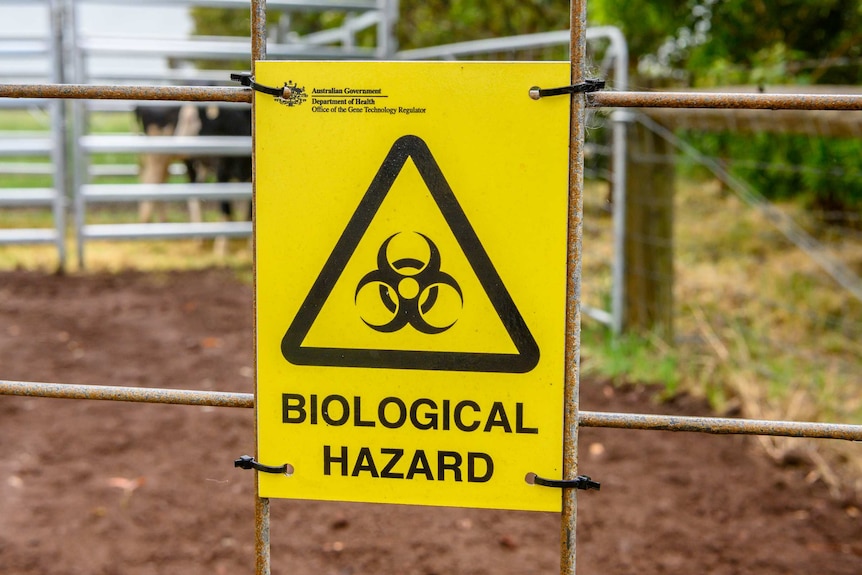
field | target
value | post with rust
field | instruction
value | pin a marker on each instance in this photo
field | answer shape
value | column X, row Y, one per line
column 647, row 284
column 573, row 288
column 262, row 564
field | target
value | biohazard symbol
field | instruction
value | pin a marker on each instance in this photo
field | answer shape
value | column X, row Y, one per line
column 408, row 288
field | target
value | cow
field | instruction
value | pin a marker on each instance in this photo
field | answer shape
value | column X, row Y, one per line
column 154, row 168
column 191, row 120
column 224, row 121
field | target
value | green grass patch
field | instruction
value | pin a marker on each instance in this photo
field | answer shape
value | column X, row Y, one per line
column 628, row 358
column 25, row 120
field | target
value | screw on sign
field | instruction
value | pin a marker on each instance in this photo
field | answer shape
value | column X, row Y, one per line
column 415, row 285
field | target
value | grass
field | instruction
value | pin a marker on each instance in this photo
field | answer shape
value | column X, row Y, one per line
column 104, row 256
column 629, row 358
column 24, row 120
column 114, row 256
column 761, row 330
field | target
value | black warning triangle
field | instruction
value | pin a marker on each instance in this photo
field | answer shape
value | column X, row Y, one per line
column 527, row 355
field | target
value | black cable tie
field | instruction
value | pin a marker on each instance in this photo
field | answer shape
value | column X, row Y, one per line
column 248, row 462
column 580, row 482
column 246, row 79
column 588, row 85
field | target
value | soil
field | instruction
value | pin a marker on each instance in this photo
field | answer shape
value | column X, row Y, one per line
column 102, row 487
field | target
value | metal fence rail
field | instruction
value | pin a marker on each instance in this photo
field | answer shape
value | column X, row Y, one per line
column 111, row 92
column 721, row 425
column 714, row 425
column 133, row 394
column 608, row 99
column 725, row 100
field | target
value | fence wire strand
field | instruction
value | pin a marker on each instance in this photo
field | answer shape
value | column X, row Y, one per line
column 784, row 223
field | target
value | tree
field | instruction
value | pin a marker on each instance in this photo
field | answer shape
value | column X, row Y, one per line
column 712, row 41
column 735, row 41
column 421, row 23
column 433, row 22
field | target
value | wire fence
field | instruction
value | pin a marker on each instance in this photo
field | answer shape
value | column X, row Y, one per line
column 767, row 296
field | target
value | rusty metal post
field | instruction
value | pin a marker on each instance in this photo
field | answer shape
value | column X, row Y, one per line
column 569, row 518
column 258, row 31
column 263, row 564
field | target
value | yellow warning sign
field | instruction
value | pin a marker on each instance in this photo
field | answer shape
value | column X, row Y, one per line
column 411, row 272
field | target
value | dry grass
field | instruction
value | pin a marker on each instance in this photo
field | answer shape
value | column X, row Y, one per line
column 762, row 330
column 115, row 256
column 105, row 256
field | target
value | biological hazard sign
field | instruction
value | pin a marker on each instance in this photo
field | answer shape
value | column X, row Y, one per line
column 412, row 291
column 411, row 224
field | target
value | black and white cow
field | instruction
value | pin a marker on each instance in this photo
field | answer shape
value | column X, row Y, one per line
column 155, row 168
column 224, row 121
column 195, row 120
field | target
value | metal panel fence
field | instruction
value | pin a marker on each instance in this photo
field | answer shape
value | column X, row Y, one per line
column 36, row 59
column 85, row 48
column 573, row 418
column 72, row 53
column 614, row 65
column 335, row 43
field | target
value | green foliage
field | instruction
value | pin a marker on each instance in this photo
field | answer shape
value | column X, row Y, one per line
column 738, row 41
column 824, row 172
column 420, row 24
column 628, row 358
column 433, row 22
column 221, row 21
column 713, row 42
column 646, row 24
column 744, row 32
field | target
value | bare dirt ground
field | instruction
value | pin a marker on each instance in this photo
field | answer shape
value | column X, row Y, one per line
column 106, row 488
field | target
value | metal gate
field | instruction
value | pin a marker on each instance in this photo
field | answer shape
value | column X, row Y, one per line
column 574, row 418
column 47, row 50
